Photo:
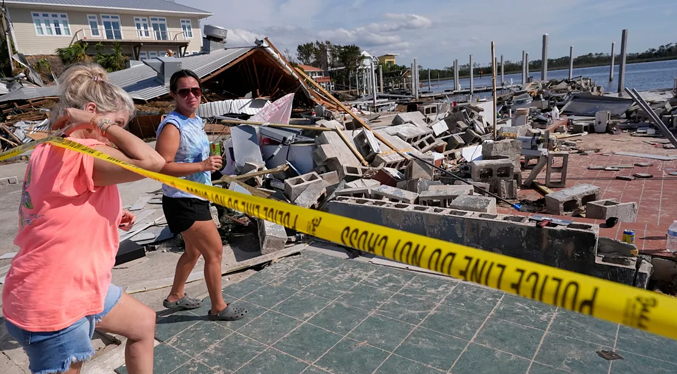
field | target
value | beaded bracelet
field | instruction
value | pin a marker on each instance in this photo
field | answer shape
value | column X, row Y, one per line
column 103, row 124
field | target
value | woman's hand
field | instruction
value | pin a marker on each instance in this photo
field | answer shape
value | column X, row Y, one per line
column 212, row 164
column 128, row 219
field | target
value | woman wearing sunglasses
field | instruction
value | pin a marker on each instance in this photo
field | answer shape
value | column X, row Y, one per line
column 183, row 143
column 58, row 289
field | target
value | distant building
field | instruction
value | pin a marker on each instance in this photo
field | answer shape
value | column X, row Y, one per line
column 144, row 28
column 388, row 59
column 318, row 76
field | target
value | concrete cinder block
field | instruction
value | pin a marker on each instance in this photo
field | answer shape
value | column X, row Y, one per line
column 367, row 144
column 358, row 192
column 622, row 269
column 458, row 190
column 562, row 159
column 474, row 203
column 506, row 189
column 567, row 200
column 331, row 178
column 482, row 185
column 418, row 169
column 570, row 248
column 312, row 196
column 293, row 187
column 470, row 137
column 510, row 148
column 350, row 173
column 603, row 209
column 441, row 198
column 488, row 170
column 8, row 180
column 272, row 237
column 418, row 185
column 417, row 118
column 455, row 141
column 394, row 194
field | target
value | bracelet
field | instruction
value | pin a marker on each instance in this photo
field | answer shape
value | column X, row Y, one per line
column 103, row 124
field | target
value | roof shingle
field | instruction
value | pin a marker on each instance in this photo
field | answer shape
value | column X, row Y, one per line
column 159, row 5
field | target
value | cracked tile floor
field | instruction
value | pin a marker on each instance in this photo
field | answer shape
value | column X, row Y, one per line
column 315, row 313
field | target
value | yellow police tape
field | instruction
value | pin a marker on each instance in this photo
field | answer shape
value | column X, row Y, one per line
column 603, row 299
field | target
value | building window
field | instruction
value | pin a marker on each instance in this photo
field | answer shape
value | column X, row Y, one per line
column 143, row 55
column 93, row 21
column 159, row 25
column 111, row 26
column 187, row 28
column 142, row 29
column 152, row 54
column 51, row 24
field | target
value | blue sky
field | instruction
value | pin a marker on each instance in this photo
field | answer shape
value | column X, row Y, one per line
column 437, row 32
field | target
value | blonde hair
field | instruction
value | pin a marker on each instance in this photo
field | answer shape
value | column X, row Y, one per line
column 83, row 84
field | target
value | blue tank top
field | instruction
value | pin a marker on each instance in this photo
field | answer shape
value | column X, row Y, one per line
column 193, row 147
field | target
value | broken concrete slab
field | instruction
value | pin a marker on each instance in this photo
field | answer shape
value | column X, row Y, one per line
column 611, row 168
column 474, row 203
column 293, row 187
column 607, row 208
column 643, row 175
column 643, row 164
column 363, row 183
column 612, row 246
column 596, row 167
column 394, row 194
column 272, row 237
column 8, row 180
column 568, row 200
column 625, row 177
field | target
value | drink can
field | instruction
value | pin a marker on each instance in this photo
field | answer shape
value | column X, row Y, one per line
column 215, row 149
column 629, row 236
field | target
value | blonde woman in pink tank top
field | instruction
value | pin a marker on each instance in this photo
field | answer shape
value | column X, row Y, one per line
column 58, row 289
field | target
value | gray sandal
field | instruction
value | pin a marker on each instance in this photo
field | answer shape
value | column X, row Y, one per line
column 183, row 303
column 231, row 313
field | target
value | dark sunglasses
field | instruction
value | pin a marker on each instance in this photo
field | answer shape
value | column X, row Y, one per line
column 183, row 93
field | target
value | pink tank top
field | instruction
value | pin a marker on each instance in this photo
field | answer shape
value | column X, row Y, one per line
column 68, row 239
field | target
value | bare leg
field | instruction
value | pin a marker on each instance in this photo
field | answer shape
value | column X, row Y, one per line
column 184, row 267
column 136, row 322
column 75, row 368
column 205, row 237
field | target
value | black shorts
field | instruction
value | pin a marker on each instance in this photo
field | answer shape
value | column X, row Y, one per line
column 182, row 212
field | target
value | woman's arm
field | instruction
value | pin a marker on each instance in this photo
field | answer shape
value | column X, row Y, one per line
column 131, row 150
column 168, row 143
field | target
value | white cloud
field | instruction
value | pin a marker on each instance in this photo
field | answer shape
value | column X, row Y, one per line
column 436, row 31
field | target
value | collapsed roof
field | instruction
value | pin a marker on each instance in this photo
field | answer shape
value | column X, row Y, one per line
column 228, row 73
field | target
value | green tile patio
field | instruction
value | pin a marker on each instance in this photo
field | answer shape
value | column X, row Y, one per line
column 316, row 314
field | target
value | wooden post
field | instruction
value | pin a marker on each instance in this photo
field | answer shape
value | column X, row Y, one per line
column 7, row 39
column 571, row 62
column 493, row 80
column 613, row 55
column 621, row 69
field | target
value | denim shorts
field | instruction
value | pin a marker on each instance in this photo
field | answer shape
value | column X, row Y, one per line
column 53, row 352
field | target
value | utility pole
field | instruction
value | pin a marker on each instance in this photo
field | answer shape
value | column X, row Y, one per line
column 493, row 83
column 524, row 68
column 457, row 86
